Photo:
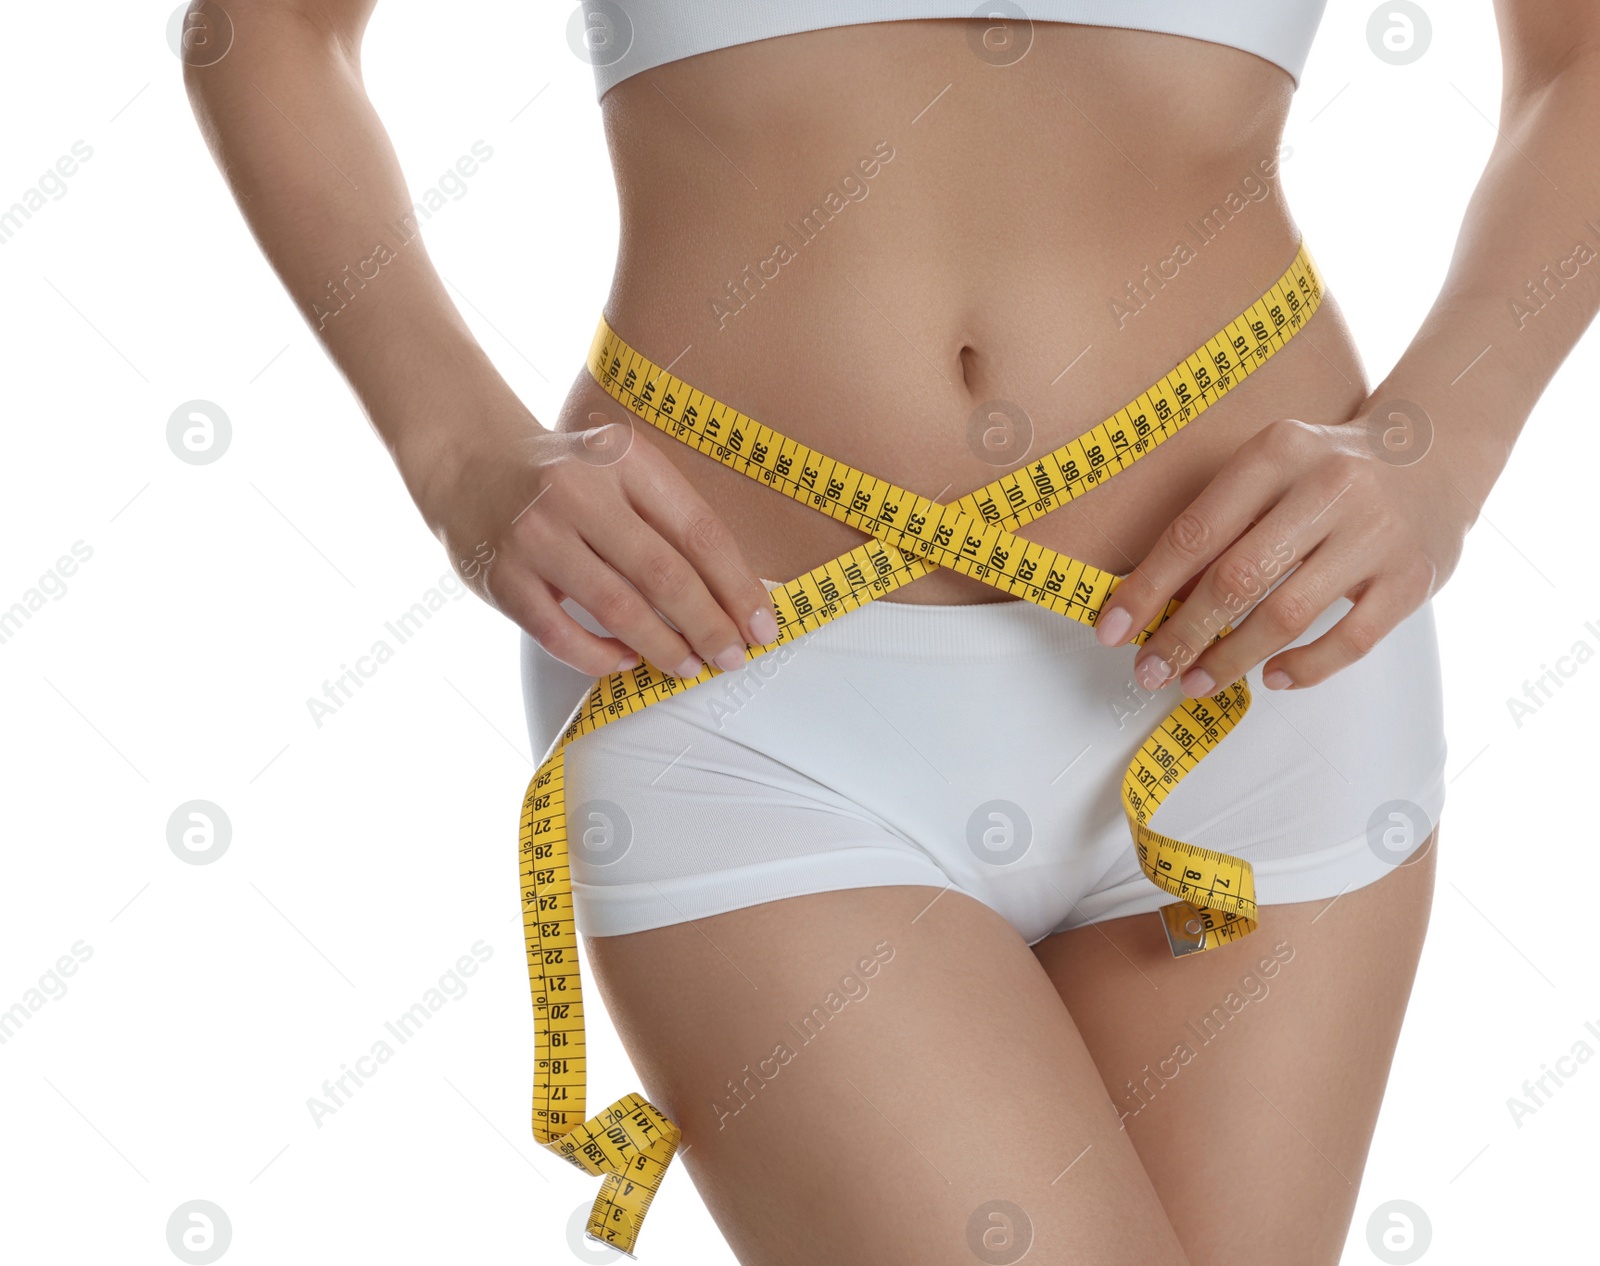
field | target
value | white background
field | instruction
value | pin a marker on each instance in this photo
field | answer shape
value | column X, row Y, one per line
column 368, row 855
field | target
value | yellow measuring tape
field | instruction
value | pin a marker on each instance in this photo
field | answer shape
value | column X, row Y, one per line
column 631, row 1143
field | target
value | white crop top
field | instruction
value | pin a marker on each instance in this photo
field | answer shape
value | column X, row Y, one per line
column 622, row 37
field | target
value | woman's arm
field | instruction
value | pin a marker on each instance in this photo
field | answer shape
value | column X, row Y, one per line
column 1376, row 509
column 288, row 120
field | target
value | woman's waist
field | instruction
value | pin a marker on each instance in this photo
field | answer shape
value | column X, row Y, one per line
column 951, row 284
column 900, row 374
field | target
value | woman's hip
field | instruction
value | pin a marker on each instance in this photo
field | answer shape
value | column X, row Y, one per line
column 982, row 746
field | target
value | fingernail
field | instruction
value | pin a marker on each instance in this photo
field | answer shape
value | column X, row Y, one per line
column 729, row 659
column 628, row 661
column 689, row 668
column 1113, row 625
column 764, row 626
column 1197, row 682
column 1152, row 671
column 1277, row 679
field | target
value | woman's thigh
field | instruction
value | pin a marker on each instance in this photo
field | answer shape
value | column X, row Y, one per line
column 1249, row 1078
column 880, row 1075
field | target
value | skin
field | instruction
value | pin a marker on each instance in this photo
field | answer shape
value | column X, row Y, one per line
column 1019, row 202
column 905, row 1081
column 1380, row 525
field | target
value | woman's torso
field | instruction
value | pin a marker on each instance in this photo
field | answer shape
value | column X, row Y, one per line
column 1054, row 233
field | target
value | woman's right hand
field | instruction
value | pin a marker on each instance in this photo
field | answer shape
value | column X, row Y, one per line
column 531, row 516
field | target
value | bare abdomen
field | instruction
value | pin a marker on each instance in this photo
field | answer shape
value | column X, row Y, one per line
column 866, row 236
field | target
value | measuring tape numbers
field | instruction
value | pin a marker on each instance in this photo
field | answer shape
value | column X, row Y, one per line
column 630, row 1144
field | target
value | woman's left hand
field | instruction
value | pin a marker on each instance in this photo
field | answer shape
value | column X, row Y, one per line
column 1330, row 507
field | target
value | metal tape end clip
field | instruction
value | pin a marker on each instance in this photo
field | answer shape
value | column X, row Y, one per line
column 1186, row 931
column 592, row 1238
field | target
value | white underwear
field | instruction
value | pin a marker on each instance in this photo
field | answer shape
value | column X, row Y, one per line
column 979, row 747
